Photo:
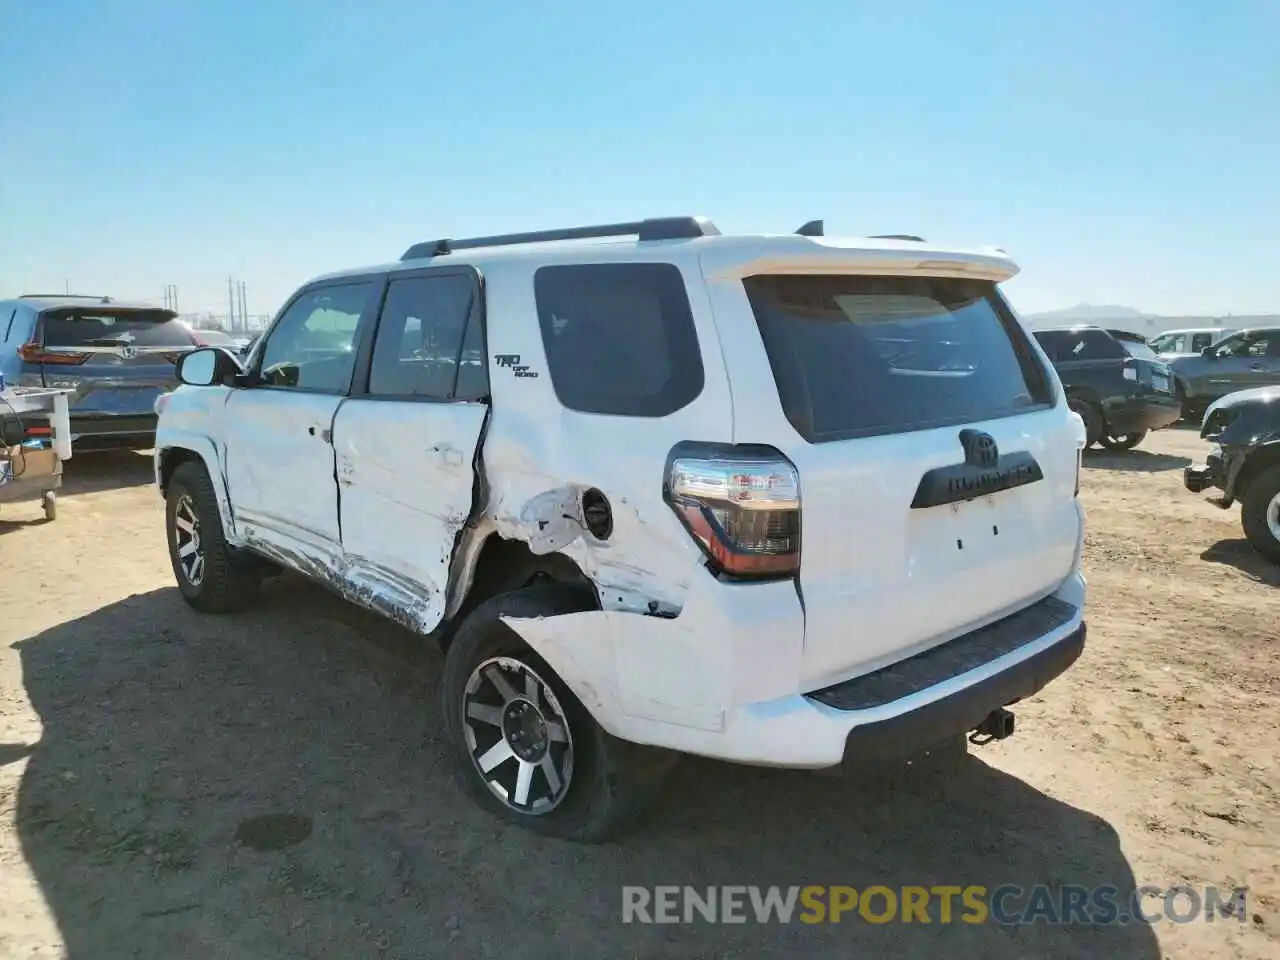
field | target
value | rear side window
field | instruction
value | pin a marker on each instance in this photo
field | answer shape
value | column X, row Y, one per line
column 420, row 340
column 74, row 327
column 619, row 337
column 858, row 356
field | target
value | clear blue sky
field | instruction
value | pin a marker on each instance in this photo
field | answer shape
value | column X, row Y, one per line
column 1125, row 153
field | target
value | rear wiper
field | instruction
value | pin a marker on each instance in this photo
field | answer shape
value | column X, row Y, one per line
column 107, row 342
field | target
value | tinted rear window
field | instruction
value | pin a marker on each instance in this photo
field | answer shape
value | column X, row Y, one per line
column 1064, row 345
column 619, row 337
column 108, row 328
column 857, row 356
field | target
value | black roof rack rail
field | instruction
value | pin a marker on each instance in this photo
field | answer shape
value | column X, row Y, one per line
column 897, row 236
column 813, row 228
column 64, row 296
column 657, row 228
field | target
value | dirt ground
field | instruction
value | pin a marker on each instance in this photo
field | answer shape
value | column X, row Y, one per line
column 139, row 742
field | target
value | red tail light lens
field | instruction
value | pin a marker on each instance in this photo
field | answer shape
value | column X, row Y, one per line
column 741, row 505
column 35, row 353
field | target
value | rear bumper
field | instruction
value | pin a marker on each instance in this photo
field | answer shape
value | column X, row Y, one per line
column 1219, row 471
column 1148, row 412
column 687, row 683
column 98, row 430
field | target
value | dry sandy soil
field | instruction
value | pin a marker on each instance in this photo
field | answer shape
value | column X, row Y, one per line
column 138, row 742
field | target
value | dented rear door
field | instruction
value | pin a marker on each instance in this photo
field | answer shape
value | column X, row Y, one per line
column 405, row 445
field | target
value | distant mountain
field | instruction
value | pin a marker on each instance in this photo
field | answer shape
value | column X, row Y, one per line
column 1087, row 313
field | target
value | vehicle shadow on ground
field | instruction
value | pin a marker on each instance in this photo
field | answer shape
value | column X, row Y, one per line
column 94, row 471
column 273, row 784
column 1239, row 553
column 1134, row 461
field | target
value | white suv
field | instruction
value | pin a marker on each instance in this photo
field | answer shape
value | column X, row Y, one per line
column 779, row 500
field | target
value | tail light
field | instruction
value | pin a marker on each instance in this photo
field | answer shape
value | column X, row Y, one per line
column 741, row 504
column 35, row 353
column 1131, row 369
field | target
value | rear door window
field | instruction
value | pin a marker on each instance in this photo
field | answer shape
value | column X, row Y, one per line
column 857, row 356
column 76, row 327
column 619, row 337
column 420, row 339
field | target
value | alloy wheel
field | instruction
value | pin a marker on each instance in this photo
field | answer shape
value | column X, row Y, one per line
column 518, row 735
column 186, row 543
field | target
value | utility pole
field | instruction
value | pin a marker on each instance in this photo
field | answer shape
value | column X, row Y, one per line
column 171, row 297
column 244, row 306
column 231, row 304
column 66, row 287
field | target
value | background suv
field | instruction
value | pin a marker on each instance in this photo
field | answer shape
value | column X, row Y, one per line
column 117, row 357
column 1119, row 387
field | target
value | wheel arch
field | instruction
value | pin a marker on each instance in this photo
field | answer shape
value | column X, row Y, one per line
column 486, row 564
column 172, row 456
column 1256, row 463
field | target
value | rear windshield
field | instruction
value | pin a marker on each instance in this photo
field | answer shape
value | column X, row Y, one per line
column 114, row 328
column 858, row 356
column 1140, row 350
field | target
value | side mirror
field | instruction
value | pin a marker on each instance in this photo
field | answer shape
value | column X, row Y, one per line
column 207, row 366
column 1210, row 352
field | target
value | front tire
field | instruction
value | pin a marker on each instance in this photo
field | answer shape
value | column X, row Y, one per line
column 204, row 564
column 1125, row 441
column 1260, row 513
column 524, row 747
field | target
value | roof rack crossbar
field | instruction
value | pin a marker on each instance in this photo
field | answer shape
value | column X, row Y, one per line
column 658, row 228
column 64, row 296
column 897, row 236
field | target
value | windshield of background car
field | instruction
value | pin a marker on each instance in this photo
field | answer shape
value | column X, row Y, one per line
column 859, row 355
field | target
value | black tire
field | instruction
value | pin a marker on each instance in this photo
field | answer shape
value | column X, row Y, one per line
column 1092, row 417
column 611, row 781
column 1126, row 441
column 1257, row 513
column 224, row 585
column 1192, row 410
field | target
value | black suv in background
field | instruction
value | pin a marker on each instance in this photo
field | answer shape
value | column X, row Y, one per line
column 1120, row 388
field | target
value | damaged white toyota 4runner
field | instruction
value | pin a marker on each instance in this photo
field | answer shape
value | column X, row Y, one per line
column 780, row 500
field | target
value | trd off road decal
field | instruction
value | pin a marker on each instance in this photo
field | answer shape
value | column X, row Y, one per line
column 512, row 360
